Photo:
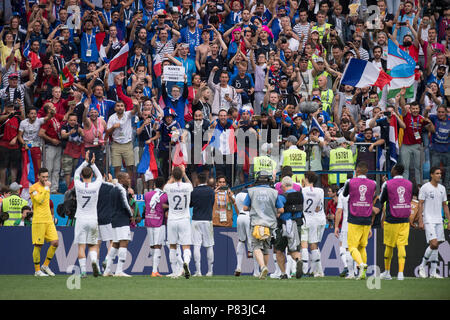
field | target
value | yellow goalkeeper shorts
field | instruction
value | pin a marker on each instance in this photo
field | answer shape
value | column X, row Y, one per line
column 41, row 232
column 396, row 234
column 357, row 235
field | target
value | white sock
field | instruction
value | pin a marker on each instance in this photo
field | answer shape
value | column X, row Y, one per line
column 289, row 264
column 82, row 263
column 156, row 259
column 426, row 256
column 319, row 263
column 277, row 268
column 173, row 260
column 93, row 257
column 349, row 263
column 110, row 259
column 187, row 256
column 255, row 267
column 122, row 257
column 342, row 253
column 197, row 259
column 240, row 252
column 179, row 258
column 315, row 259
column 210, row 257
column 434, row 259
column 305, row 259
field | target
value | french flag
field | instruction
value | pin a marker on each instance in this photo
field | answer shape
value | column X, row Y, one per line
column 394, row 148
column 157, row 62
column 121, row 58
column 223, row 140
column 28, row 177
column 361, row 73
column 99, row 38
column 33, row 57
column 316, row 124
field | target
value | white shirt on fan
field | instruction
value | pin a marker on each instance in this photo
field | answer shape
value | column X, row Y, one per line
column 179, row 196
column 433, row 198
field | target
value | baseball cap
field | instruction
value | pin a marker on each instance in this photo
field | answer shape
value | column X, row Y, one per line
column 314, row 30
column 13, row 75
column 161, row 12
column 283, row 77
column 175, row 9
column 292, row 139
column 442, row 66
column 15, row 186
column 314, row 129
column 296, row 115
column 191, row 16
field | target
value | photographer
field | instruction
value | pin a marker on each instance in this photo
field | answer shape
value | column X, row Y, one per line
column 71, row 140
column 13, row 205
column 27, row 216
column 9, row 147
column 224, row 201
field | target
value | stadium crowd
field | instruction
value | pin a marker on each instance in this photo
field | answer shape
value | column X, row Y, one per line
column 88, row 75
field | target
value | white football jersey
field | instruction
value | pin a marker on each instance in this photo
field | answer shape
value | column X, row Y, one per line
column 179, row 196
column 433, row 198
column 87, row 193
column 343, row 204
column 313, row 204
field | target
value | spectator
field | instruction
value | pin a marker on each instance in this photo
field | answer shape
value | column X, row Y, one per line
column 50, row 131
column 119, row 128
column 29, row 138
column 9, row 146
column 71, row 143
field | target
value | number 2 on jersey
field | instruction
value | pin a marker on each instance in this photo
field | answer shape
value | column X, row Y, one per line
column 177, row 200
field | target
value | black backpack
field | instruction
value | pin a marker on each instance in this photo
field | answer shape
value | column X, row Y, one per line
column 294, row 202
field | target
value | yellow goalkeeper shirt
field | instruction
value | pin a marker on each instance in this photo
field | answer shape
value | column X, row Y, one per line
column 40, row 196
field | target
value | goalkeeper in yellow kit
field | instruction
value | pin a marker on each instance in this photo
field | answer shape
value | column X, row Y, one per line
column 43, row 228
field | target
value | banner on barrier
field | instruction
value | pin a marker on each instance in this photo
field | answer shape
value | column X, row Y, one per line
column 17, row 259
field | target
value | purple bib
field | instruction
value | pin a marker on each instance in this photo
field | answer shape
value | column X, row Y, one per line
column 400, row 197
column 154, row 218
column 361, row 191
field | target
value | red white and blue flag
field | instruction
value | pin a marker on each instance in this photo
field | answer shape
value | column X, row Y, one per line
column 361, row 73
column 121, row 58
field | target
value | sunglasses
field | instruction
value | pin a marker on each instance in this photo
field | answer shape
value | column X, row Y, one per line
column 138, row 92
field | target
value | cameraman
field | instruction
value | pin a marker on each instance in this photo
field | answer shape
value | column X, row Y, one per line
column 27, row 215
column 9, row 147
column 71, row 140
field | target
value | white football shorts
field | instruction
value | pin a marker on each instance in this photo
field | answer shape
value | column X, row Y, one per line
column 86, row 232
column 157, row 235
column 202, row 233
column 121, row 233
column 105, row 232
column 434, row 231
column 179, row 232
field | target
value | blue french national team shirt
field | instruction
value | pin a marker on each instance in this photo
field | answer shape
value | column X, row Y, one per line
column 88, row 43
column 440, row 140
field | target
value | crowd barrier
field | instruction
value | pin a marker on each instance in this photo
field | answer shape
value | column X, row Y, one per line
column 16, row 253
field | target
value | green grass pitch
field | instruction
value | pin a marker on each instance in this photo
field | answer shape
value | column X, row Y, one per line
column 26, row 287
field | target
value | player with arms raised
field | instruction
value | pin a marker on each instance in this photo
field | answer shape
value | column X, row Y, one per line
column 432, row 199
column 178, row 221
column 315, row 220
column 86, row 226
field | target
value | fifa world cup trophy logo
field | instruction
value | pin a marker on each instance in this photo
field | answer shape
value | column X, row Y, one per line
column 362, row 192
column 401, row 194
